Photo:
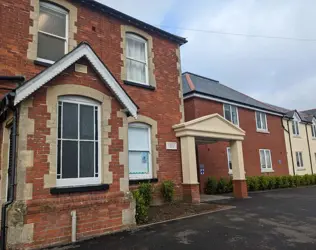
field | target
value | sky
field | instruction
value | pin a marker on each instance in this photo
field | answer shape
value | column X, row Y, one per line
column 278, row 71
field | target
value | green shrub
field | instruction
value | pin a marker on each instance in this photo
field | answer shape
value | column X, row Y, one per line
column 146, row 191
column 263, row 182
column 285, row 182
column 314, row 179
column 271, row 182
column 291, row 181
column 230, row 186
column 167, row 190
column 253, row 183
column 141, row 208
column 222, row 186
column 211, row 185
column 297, row 180
column 278, row 182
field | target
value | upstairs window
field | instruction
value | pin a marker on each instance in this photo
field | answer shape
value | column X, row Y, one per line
column 314, row 129
column 139, row 151
column 295, row 127
column 78, row 143
column 231, row 113
column 299, row 159
column 261, row 121
column 52, row 33
column 265, row 160
column 136, row 59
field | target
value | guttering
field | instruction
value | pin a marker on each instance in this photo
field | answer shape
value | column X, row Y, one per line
column 225, row 100
column 309, row 149
column 10, row 199
column 288, row 132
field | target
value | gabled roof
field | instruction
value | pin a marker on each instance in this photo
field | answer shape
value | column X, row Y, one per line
column 82, row 50
column 310, row 112
column 128, row 19
column 193, row 83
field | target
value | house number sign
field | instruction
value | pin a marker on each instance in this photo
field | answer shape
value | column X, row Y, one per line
column 171, row 146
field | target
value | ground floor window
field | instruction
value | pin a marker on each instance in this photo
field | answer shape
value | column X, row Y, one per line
column 299, row 159
column 78, row 143
column 139, row 151
column 265, row 160
column 229, row 160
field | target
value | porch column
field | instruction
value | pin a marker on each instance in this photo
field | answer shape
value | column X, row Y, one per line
column 191, row 192
column 239, row 178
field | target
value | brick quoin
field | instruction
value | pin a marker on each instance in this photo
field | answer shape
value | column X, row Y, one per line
column 214, row 156
column 98, row 212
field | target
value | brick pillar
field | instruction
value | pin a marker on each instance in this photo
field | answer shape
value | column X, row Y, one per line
column 191, row 193
column 240, row 189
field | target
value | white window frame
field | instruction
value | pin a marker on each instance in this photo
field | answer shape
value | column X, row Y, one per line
column 55, row 8
column 313, row 127
column 229, row 160
column 262, row 115
column 83, row 180
column 139, row 39
column 299, row 160
column 266, row 168
column 231, row 113
column 150, row 174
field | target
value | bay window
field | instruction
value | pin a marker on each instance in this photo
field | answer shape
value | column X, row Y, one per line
column 78, row 143
column 139, row 151
column 52, row 33
column 136, row 59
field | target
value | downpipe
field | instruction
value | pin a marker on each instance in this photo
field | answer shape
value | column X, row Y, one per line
column 73, row 226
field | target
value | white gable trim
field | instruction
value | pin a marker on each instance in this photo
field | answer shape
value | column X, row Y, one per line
column 231, row 103
column 296, row 117
column 83, row 50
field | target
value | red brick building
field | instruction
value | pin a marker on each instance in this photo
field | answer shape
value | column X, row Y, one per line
column 102, row 91
column 264, row 147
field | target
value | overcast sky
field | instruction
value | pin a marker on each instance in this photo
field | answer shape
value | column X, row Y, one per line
column 281, row 72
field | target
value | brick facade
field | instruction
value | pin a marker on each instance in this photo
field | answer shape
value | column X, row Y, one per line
column 47, row 217
column 214, row 156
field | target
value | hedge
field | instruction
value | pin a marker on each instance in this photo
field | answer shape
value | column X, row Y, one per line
column 256, row 183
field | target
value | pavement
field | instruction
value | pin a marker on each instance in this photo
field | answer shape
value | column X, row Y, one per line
column 282, row 219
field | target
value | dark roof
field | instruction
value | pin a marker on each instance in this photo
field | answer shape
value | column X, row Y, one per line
column 140, row 24
column 310, row 111
column 213, row 88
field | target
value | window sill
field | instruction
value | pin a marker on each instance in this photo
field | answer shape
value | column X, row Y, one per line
column 139, row 85
column 263, row 131
column 267, row 171
column 136, row 182
column 300, row 169
column 79, row 189
column 41, row 63
column 297, row 136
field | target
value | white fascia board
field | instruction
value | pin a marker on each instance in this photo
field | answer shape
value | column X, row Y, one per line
column 83, row 50
column 231, row 103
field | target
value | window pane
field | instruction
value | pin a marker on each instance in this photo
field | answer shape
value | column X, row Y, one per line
column 96, row 123
column 59, row 118
column 258, row 120
column 96, row 159
column 136, row 71
column 301, row 159
column 50, row 48
column 234, row 115
column 136, row 49
column 293, row 127
column 86, row 159
column 70, row 121
column 58, row 158
column 52, row 22
column 262, row 159
column 297, row 128
column 138, row 139
column 268, row 157
column 138, row 162
column 86, row 122
column 264, row 121
column 70, row 159
column 297, row 159
column 227, row 112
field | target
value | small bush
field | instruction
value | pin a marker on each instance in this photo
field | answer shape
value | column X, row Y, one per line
column 141, row 207
column 271, row 182
column 146, row 191
column 263, row 182
column 291, row 181
column 167, row 190
column 297, row 180
column 285, row 182
column 211, row 185
column 230, row 186
column 278, row 182
column 253, row 183
column 222, row 186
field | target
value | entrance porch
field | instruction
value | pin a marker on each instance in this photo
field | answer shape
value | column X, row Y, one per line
column 209, row 129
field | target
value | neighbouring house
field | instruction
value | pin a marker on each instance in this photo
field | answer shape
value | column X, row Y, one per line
column 101, row 94
column 264, row 147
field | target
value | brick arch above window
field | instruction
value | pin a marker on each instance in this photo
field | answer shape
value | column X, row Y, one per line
column 33, row 31
column 126, row 29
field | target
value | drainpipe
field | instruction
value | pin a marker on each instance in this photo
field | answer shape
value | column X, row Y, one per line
column 288, row 132
column 309, row 149
column 73, row 225
column 12, row 179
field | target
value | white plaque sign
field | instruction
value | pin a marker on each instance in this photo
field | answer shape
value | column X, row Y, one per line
column 171, row 146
